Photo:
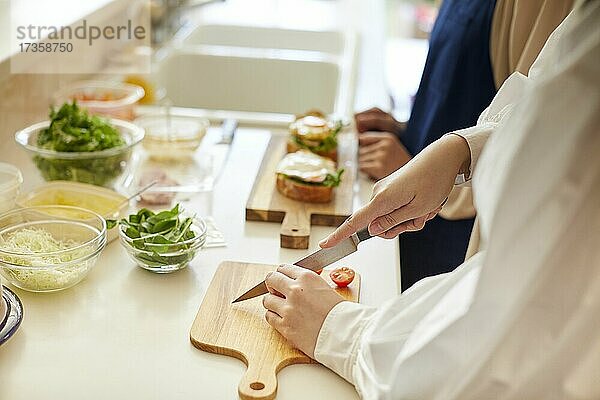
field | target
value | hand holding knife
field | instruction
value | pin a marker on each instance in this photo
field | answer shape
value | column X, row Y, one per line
column 317, row 260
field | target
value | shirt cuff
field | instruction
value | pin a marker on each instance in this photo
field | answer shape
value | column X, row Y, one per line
column 339, row 339
column 476, row 137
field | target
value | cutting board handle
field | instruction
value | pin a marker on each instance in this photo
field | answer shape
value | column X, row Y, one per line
column 295, row 229
column 258, row 383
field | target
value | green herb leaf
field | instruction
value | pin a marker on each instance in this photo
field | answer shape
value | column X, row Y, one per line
column 333, row 180
column 330, row 180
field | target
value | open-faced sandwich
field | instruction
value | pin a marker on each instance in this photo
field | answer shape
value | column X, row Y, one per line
column 314, row 132
column 305, row 176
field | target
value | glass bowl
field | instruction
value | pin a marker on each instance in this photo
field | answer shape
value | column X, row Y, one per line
column 165, row 258
column 170, row 136
column 49, row 248
column 101, row 168
column 111, row 99
column 10, row 185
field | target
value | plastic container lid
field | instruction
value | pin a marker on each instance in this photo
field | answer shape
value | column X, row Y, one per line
column 10, row 177
column 51, row 193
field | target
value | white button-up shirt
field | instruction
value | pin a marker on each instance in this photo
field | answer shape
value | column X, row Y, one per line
column 521, row 318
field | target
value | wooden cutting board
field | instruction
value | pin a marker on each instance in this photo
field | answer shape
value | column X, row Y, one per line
column 240, row 330
column 267, row 204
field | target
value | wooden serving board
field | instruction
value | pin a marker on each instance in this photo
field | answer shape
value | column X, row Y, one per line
column 240, row 330
column 267, row 204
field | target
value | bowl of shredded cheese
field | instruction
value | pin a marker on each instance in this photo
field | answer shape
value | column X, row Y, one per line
column 49, row 248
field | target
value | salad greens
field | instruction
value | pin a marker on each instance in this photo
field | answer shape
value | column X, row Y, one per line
column 71, row 129
column 333, row 180
column 330, row 180
column 158, row 239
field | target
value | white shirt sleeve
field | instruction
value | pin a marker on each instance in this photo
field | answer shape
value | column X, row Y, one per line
column 491, row 118
column 511, row 91
column 520, row 318
column 347, row 321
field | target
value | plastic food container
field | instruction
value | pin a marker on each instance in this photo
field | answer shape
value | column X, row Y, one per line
column 2, row 305
column 11, row 180
column 105, row 202
column 101, row 168
column 176, row 180
column 73, row 240
column 162, row 258
column 170, row 136
column 111, row 99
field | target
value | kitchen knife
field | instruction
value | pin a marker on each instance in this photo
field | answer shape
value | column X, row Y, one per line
column 317, row 260
column 228, row 128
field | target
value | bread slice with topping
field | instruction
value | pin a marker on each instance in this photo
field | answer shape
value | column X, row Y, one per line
column 313, row 131
column 307, row 177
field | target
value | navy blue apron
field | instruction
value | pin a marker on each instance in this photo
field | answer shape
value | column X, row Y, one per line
column 456, row 86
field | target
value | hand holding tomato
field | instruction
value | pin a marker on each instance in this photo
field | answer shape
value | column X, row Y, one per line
column 299, row 314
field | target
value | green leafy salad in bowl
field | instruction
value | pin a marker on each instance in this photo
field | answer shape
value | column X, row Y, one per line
column 162, row 242
column 76, row 146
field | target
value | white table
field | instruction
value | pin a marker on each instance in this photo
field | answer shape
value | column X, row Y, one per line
column 123, row 333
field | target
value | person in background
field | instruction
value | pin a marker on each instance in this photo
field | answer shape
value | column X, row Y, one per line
column 519, row 319
column 474, row 46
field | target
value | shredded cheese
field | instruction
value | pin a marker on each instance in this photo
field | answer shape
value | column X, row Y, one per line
column 42, row 271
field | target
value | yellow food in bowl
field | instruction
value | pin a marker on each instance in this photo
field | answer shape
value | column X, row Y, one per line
column 103, row 206
column 105, row 202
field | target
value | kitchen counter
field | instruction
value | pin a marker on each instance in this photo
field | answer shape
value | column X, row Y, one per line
column 123, row 333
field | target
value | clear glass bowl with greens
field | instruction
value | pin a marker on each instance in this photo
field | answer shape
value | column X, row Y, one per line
column 49, row 248
column 164, row 250
column 101, row 168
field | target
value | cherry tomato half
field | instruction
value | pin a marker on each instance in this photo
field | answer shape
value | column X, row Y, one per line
column 342, row 276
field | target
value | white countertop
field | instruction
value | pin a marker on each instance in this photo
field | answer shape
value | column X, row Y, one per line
column 123, row 333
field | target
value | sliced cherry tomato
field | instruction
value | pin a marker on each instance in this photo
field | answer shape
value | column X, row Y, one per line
column 342, row 276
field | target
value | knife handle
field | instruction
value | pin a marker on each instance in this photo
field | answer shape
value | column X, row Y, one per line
column 363, row 234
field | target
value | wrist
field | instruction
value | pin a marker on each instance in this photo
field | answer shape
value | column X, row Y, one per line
column 399, row 128
column 460, row 152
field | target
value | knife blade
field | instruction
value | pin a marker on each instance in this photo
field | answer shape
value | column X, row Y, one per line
column 317, row 260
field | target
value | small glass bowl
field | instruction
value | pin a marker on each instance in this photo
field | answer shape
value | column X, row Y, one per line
column 11, row 180
column 111, row 99
column 101, row 168
column 37, row 271
column 165, row 258
column 170, row 136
